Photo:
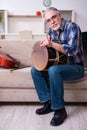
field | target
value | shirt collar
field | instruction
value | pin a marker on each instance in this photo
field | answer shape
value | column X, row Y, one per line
column 62, row 24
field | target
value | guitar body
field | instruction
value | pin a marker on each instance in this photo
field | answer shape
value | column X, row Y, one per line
column 7, row 61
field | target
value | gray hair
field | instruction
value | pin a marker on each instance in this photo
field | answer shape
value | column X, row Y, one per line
column 50, row 8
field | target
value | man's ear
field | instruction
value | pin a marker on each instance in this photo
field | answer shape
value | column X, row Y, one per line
column 60, row 15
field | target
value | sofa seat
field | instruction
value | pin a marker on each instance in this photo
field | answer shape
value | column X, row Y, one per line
column 17, row 85
column 76, row 91
column 19, row 78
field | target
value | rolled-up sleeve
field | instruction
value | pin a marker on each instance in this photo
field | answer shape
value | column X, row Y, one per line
column 70, row 43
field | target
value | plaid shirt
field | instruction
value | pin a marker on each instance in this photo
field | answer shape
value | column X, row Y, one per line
column 71, row 40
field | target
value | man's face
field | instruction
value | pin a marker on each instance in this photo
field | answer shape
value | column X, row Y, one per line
column 53, row 19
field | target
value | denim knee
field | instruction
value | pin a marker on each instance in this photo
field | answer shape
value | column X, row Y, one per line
column 33, row 70
column 53, row 70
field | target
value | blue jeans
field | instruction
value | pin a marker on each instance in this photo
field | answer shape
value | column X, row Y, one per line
column 49, row 84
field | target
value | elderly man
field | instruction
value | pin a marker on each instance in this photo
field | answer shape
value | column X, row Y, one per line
column 65, row 37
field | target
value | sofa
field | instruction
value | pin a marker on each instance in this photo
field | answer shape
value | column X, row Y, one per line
column 16, row 85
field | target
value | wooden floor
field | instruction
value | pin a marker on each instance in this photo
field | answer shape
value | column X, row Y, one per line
column 23, row 117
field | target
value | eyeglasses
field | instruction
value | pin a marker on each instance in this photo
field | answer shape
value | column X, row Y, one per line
column 52, row 18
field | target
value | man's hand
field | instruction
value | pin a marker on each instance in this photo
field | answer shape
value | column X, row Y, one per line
column 46, row 42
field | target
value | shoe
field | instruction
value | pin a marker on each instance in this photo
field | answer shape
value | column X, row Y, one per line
column 45, row 109
column 59, row 117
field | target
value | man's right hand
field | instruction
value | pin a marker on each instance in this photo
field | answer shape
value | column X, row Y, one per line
column 46, row 41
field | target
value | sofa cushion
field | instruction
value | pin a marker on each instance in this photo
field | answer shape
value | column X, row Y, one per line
column 19, row 49
column 19, row 78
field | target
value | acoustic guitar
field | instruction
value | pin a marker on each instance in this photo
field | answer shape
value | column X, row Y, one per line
column 7, row 61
